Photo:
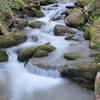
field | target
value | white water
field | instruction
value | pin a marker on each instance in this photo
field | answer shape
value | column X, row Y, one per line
column 17, row 83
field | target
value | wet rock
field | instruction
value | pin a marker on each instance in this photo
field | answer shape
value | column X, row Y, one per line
column 41, row 53
column 36, row 24
column 31, row 51
column 3, row 56
column 85, row 76
column 75, row 18
column 70, row 56
column 38, row 13
column 34, row 12
column 93, row 34
column 60, row 30
column 69, row 37
column 22, row 23
column 12, row 39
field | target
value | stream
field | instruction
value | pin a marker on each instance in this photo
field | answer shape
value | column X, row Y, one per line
column 32, row 82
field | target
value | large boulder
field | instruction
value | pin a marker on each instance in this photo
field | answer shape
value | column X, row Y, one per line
column 38, row 51
column 36, row 24
column 12, row 39
column 3, row 56
column 75, row 18
column 93, row 34
column 85, row 76
column 60, row 30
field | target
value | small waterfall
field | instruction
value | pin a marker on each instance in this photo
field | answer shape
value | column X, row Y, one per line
column 43, row 72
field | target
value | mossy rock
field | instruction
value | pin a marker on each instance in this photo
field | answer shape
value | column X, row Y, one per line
column 12, row 39
column 29, row 52
column 82, row 75
column 70, row 56
column 93, row 34
column 36, row 24
column 69, row 37
column 60, row 30
column 3, row 56
column 41, row 53
column 75, row 18
column 22, row 23
column 37, row 12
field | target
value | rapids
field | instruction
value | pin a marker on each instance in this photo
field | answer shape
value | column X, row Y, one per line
column 19, row 83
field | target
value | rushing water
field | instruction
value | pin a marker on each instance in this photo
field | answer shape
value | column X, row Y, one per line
column 19, row 83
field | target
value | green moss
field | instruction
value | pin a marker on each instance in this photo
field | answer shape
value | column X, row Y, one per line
column 3, row 56
column 41, row 53
column 47, row 48
column 83, row 75
column 12, row 39
column 70, row 56
column 94, row 44
column 69, row 37
column 97, row 58
column 36, row 24
column 38, row 13
column 79, row 65
column 35, row 51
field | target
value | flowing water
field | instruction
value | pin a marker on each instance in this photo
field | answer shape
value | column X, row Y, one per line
column 33, row 83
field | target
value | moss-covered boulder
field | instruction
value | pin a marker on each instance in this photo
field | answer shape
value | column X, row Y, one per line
column 35, row 51
column 70, row 56
column 85, row 76
column 75, row 18
column 41, row 53
column 93, row 34
column 36, row 24
column 22, row 23
column 60, row 30
column 3, row 56
column 12, row 39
